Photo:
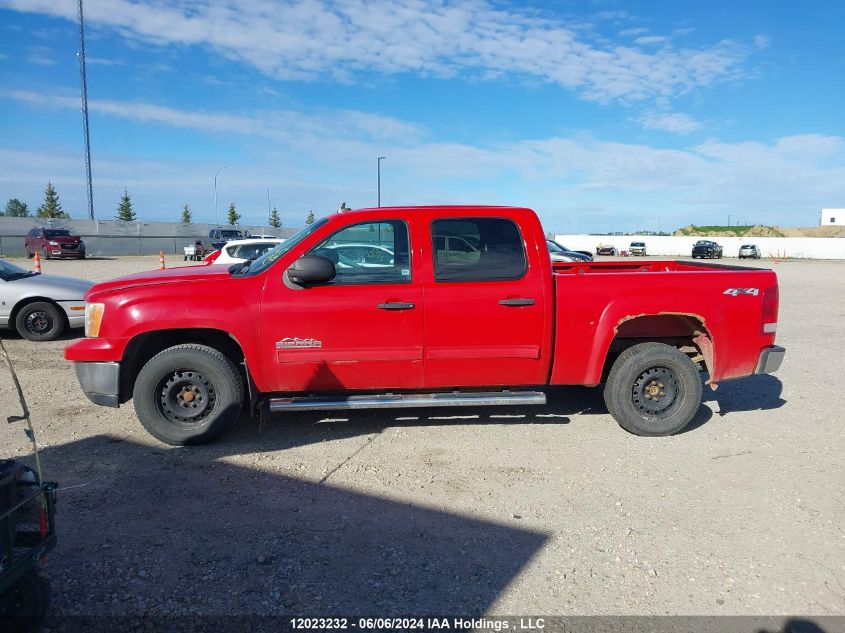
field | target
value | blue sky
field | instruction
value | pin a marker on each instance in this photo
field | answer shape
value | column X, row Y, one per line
column 631, row 115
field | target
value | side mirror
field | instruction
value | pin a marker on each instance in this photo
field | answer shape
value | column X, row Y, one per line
column 311, row 269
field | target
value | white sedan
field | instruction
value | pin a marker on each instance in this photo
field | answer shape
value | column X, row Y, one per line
column 238, row 251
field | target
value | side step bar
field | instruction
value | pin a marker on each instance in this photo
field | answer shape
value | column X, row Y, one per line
column 408, row 400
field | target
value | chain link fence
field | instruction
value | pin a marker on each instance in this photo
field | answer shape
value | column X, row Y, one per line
column 113, row 237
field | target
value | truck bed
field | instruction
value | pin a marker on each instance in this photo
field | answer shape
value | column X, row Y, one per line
column 658, row 299
column 639, row 266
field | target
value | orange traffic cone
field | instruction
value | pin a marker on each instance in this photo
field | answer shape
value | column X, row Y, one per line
column 161, row 260
column 37, row 263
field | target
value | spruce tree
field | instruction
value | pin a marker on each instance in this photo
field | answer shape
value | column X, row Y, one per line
column 275, row 220
column 124, row 209
column 233, row 216
column 310, row 218
column 52, row 207
column 16, row 209
column 186, row 214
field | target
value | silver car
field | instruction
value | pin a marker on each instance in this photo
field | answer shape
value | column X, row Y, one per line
column 40, row 307
column 749, row 250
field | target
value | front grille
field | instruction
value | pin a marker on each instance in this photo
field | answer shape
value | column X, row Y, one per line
column 70, row 247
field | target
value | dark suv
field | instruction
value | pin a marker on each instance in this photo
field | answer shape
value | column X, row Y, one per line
column 706, row 248
column 218, row 237
column 53, row 243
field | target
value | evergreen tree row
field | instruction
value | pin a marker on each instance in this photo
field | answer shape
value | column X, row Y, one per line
column 52, row 208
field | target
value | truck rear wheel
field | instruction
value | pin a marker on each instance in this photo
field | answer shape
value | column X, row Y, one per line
column 653, row 389
column 188, row 394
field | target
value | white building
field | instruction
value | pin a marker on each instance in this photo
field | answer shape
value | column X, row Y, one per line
column 832, row 217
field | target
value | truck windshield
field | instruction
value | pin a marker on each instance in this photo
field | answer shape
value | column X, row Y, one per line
column 262, row 263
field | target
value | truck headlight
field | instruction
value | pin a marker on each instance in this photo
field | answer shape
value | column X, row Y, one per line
column 93, row 318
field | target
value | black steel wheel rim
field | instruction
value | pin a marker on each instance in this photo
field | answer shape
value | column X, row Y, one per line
column 656, row 392
column 186, row 397
column 39, row 322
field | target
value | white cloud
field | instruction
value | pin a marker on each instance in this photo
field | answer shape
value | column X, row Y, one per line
column 103, row 61
column 317, row 39
column 277, row 124
column 647, row 40
column 319, row 160
column 676, row 122
column 41, row 56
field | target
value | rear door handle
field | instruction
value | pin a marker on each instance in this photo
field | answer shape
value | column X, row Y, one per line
column 396, row 305
column 516, row 302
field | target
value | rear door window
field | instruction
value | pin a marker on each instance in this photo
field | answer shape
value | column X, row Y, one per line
column 477, row 249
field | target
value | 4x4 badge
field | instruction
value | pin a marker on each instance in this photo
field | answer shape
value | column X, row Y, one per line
column 741, row 291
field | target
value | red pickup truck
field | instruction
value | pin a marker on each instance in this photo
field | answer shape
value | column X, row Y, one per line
column 418, row 307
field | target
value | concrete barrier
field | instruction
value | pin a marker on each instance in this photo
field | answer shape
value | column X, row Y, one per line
column 778, row 247
column 111, row 237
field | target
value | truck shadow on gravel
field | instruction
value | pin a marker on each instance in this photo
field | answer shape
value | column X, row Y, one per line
column 178, row 531
column 761, row 392
column 287, row 430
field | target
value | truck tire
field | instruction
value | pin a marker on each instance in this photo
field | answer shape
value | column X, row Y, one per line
column 40, row 321
column 653, row 389
column 188, row 394
column 25, row 604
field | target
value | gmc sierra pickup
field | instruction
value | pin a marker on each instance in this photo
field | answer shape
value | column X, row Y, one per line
column 419, row 307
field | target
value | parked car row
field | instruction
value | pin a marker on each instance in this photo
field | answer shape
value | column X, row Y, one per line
column 52, row 243
column 702, row 248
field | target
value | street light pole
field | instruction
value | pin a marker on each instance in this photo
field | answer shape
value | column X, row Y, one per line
column 216, row 217
column 378, row 169
column 580, row 221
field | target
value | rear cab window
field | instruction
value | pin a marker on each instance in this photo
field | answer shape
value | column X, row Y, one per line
column 477, row 249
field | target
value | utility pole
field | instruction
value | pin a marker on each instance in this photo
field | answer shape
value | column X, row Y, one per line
column 216, row 217
column 378, row 164
column 84, row 82
column 268, row 206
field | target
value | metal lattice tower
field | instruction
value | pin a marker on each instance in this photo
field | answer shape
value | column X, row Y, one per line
column 84, row 81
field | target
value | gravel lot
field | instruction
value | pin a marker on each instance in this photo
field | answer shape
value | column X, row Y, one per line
column 552, row 510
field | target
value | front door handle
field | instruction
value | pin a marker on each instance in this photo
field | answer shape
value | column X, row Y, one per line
column 396, row 305
column 516, row 302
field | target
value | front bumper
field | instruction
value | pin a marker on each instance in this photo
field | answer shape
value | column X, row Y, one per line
column 770, row 360
column 66, row 252
column 100, row 382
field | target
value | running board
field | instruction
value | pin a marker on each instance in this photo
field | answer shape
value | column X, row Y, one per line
column 408, row 400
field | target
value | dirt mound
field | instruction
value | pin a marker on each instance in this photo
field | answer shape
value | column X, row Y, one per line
column 760, row 230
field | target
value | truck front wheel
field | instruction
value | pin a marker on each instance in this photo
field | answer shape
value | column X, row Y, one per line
column 653, row 389
column 188, row 394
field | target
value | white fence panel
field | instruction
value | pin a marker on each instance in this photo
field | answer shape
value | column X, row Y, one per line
column 784, row 247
